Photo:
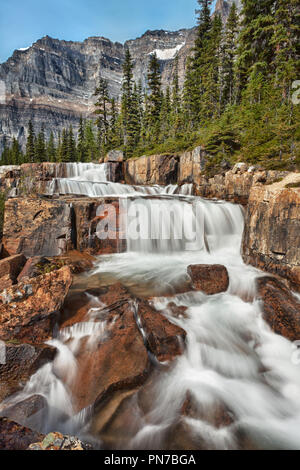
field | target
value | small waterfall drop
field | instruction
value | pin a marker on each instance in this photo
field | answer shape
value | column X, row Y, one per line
column 92, row 179
column 164, row 225
column 232, row 362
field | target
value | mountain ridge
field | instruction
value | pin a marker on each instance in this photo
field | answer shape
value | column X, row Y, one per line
column 53, row 81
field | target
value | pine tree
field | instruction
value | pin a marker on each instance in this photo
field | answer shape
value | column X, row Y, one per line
column 165, row 115
column 193, row 87
column 176, row 98
column 114, row 138
column 64, row 146
column 30, row 144
column 5, row 154
column 285, row 42
column 130, row 107
column 102, row 106
column 51, row 149
column 40, row 146
column 204, row 25
column 90, row 142
column 209, row 71
column 15, row 157
column 81, row 149
column 255, row 51
column 228, row 92
column 71, row 154
column 127, row 91
column 154, row 101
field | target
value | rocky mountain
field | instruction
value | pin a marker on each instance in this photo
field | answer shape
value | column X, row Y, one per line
column 223, row 7
column 53, row 81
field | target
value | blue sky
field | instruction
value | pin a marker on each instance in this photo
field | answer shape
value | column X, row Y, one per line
column 22, row 22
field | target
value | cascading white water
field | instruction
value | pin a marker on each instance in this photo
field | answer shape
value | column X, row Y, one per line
column 91, row 179
column 166, row 226
column 87, row 171
column 232, row 359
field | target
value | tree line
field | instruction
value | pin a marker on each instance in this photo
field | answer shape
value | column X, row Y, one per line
column 236, row 100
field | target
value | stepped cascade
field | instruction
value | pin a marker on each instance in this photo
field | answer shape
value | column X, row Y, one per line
column 88, row 179
column 232, row 360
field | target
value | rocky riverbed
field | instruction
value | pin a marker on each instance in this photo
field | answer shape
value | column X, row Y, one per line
column 133, row 342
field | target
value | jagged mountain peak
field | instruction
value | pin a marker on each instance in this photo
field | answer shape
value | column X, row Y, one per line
column 53, row 81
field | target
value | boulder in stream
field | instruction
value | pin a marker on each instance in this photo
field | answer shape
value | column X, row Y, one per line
column 210, row 279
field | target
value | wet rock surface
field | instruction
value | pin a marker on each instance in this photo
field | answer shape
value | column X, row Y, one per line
column 10, row 267
column 37, row 226
column 281, row 308
column 271, row 239
column 210, row 279
column 155, row 169
column 118, row 362
column 13, row 436
column 25, row 412
column 119, row 359
column 21, row 361
column 47, row 227
column 164, row 339
column 29, row 311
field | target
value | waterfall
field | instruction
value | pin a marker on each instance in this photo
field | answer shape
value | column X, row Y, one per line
column 164, row 225
column 232, row 360
column 91, row 179
column 87, row 171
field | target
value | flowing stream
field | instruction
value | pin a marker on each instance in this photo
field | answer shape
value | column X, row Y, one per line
column 232, row 360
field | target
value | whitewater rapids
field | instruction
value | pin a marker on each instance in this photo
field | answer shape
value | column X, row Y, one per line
column 232, row 358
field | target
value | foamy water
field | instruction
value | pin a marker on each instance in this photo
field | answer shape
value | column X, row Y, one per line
column 232, row 359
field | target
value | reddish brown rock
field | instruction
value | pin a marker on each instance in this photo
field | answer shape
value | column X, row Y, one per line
column 235, row 185
column 280, row 308
column 46, row 227
column 37, row 266
column 29, row 311
column 271, row 239
column 90, row 219
column 210, row 279
column 13, row 436
column 21, row 361
column 155, row 169
column 164, row 339
column 191, row 166
column 78, row 262
column 9, row 269
column 37, row 226
column 119, row 361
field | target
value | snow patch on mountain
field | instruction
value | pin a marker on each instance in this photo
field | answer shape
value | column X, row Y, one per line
column 167, row 54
